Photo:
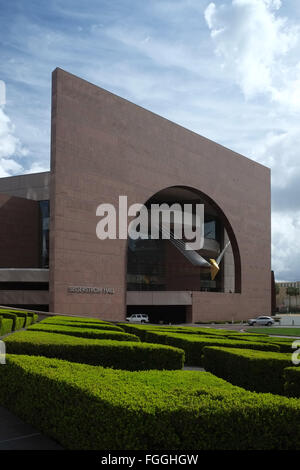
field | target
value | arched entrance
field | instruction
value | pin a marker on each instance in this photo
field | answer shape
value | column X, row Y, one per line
column 158, row 273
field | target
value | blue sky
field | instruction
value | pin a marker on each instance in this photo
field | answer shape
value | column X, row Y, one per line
column 228, row 70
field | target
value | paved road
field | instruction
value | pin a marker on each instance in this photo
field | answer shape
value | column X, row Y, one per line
column 17, row 435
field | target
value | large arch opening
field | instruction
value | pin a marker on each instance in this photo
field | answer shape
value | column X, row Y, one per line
column 157, row 265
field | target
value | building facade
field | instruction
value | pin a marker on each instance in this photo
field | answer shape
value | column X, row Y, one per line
column 288, row 296
column 104, row 147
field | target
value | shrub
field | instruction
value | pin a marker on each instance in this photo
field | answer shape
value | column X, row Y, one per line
column 34, row 317
column 137, row 330
column 193, row 344
column 259, row 371
column 284, row 344
column 64, row 318
column 18, row 322
column 77, row 324
column 178, row 329
column 84, row 332
column 91, row 408
column 292, row 381
column 6, row 325
column 26, row 319
column 141, row 331
column 108, row 353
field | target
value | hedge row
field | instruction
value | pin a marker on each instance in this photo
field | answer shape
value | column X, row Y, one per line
column 284, row 344
column 21, row 319
column 84, row 332
column 258, row 371
column 6, row 325
column 82, row 324
column 137, row 330
column 91, row 408
column 178, row 329
column 193, row 344
column 64, row 318
column 292, row 381
column 108, row 353
column 141, row 330
column 17, row 322
column 204, row 331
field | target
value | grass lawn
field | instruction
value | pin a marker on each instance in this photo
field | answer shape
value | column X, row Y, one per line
column 276, row 331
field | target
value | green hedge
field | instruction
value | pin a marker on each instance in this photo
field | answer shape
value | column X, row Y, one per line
column 84, row 332
column 137, row 330
column 91, row 408
column 18, row 322
column 34, row 317
column 141, row 330
column 292, row 381
column 193, row 344
column 64, row 318
column 6, row 325
column 258, row 371
column 284, row 344
column 108, row 353
column 77, row 324
column 27, row 320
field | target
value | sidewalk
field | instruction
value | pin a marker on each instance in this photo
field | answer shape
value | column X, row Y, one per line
column 16, row 435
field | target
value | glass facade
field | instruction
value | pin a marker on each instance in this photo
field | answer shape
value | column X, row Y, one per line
column 210, row 229
column 146, row 265
column 154, row 265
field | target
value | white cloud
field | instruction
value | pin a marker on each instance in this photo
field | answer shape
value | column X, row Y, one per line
column 280, row 152
column 9, row 167
column 257, row 46
column 2, row 93
column 286, row 245
column 10, row 145
column 37, row 167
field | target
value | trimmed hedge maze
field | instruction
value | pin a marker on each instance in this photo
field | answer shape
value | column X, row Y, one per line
column 258, row 371
column 13, row 320
column 92, row 408
column 129, row 355
column 292, row 381
column 256, row 362
column 103, row 386
column 84, row 332
column 6, row 326
column 193, row 344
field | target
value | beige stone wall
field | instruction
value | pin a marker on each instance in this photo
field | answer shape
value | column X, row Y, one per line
column 103, row 147
column 32, row 186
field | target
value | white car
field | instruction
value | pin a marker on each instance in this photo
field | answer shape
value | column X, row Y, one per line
column 263, row 320
column 138, row 318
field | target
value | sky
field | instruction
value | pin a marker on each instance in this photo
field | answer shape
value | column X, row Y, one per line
column 228, row 70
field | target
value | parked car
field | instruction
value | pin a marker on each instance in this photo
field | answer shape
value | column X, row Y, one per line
column 262, row 320
column 138, row 318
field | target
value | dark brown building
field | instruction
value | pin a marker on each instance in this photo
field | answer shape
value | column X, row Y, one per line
column 102, row 147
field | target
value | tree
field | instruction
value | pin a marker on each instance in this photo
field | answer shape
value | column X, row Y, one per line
column 291, row 292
